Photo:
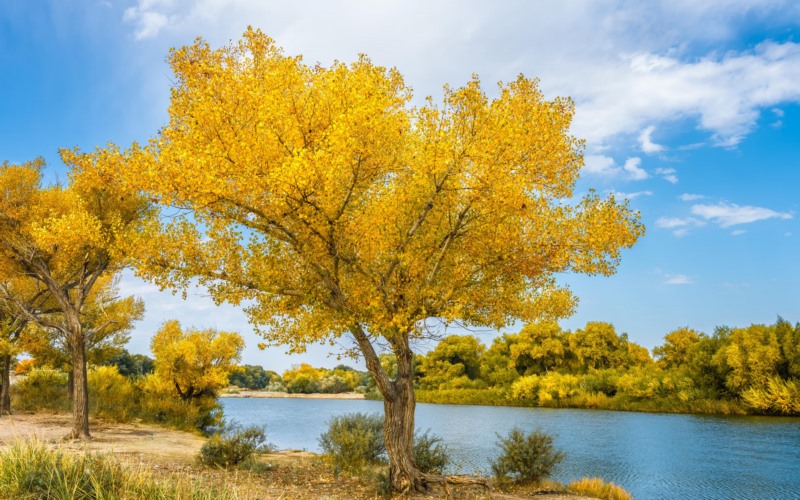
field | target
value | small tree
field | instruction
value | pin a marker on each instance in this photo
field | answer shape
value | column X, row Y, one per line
column 197, row 363
column 67, row 238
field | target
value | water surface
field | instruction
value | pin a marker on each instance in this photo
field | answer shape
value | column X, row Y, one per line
column 650, row 455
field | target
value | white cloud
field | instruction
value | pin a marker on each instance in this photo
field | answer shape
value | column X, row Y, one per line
column 730, row 214
column 600, row 165
column 680, row 226
column 738, row 232
column 606, row 166
column 646, row 142
column 632, row 167
column 691, row 197
column 668, row 174
column 627, row 65
column 631, row 196
column 677, row 279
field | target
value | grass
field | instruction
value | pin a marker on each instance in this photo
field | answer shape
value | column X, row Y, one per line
column 597, row 488
column 34, row 470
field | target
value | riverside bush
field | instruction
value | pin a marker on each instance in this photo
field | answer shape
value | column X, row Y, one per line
column 233, row 445
column 430, row 453
column 525, row 458
column 355, row 441
column 42, row 389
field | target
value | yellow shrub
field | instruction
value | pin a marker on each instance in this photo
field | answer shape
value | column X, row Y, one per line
column 597, row 488
column 111, row 395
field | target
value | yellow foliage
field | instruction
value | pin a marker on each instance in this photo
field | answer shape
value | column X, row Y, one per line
column 195, row 363
column 321, row 195
column 111, row 395
column 597, row 488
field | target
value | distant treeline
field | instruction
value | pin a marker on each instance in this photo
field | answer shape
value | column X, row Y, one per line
column 755, row 369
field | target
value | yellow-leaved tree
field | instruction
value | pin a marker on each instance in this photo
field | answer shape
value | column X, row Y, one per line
column 67, row 239
column 195, row 363
column 336, row 208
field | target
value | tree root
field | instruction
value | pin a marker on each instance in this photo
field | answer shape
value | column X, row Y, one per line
column 79, row 436
column 456, row 480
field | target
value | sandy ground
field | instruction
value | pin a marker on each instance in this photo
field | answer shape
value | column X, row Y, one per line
column 244, row 393
column 170, row 453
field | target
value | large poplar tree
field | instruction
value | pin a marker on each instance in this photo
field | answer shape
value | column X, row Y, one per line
column 336, row 208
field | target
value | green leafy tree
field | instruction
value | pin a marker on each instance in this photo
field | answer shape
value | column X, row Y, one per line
column 750, row 357
column 132, row 365
column 597, row 346
column 453, row 363
column 252, row 377
column 677, row 347
column 538, row 348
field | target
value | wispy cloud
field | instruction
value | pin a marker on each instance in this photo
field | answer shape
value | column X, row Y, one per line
column 678, row 279
column 607, row 167
column 730, row 214
column 631, row 196
column 668, row 174
column 680, row 226
column 691, row 197
column 646, row 141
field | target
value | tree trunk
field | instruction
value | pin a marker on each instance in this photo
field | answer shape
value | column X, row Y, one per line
column 5, row 380
column 398, row 436
column 80, row 391
column 398, row 431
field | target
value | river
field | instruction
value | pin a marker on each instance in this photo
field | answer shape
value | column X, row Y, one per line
column 650, row 455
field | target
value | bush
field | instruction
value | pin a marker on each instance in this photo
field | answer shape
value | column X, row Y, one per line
column 33, row 470
column 111, row 395
column 430, row 454
column 233, row 446
column 160, row 404
column 354, row 441
column 526, row 459
column 42, row 389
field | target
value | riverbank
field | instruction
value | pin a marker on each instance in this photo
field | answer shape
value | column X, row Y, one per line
column 244, row 393
column 170, row 455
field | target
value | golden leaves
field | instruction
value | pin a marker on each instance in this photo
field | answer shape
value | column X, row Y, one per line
column 320, row 194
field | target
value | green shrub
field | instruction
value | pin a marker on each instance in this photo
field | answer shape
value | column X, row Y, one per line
column 34, row 470
column 354, row 441
column 111, row 395
column 42, row 389
column 430, row 454
column 233, row 446
column 525, row 459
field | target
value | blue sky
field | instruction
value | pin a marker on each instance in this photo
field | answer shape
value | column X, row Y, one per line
column 690, row 109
